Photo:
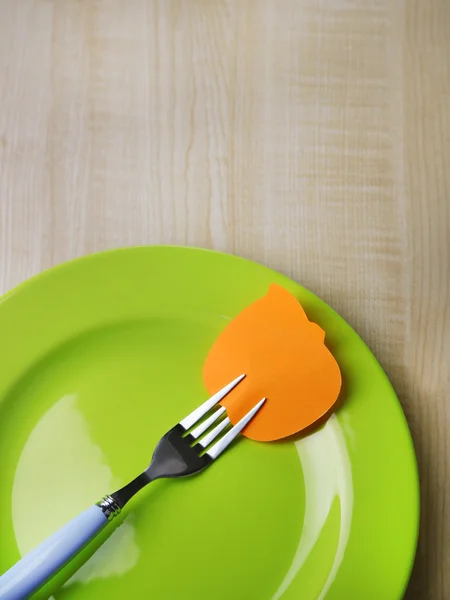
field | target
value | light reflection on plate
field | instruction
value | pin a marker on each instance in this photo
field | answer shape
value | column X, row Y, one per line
column 64, row 431
column 327, row 475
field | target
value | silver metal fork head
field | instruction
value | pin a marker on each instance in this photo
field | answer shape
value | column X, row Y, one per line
column 181, row 452
column 204, row 408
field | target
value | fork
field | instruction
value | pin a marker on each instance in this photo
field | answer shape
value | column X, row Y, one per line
column 184, row 450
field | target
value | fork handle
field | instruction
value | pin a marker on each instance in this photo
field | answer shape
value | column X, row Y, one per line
column 38, row 566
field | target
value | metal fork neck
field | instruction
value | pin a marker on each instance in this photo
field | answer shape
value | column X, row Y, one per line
column 122, row 496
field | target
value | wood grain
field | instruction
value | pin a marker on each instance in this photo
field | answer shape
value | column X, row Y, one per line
column 311, row 135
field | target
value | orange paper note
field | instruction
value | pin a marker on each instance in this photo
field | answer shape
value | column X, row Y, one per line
column 285, row 360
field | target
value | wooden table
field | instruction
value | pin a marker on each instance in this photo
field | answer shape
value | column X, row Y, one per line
column 310, row 135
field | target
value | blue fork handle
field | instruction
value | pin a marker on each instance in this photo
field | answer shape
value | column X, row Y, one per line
column 39, row 565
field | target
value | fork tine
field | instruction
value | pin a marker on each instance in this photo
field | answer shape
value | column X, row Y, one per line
column 220, row 446
column 199, row 412
column 197, row 432
column 205, row 442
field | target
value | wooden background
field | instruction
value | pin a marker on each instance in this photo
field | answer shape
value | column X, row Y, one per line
column 310, row 135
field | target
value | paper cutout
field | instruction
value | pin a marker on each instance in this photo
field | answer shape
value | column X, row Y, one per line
column 285, row 359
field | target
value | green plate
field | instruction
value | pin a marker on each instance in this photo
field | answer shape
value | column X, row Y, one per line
column 100, row 356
